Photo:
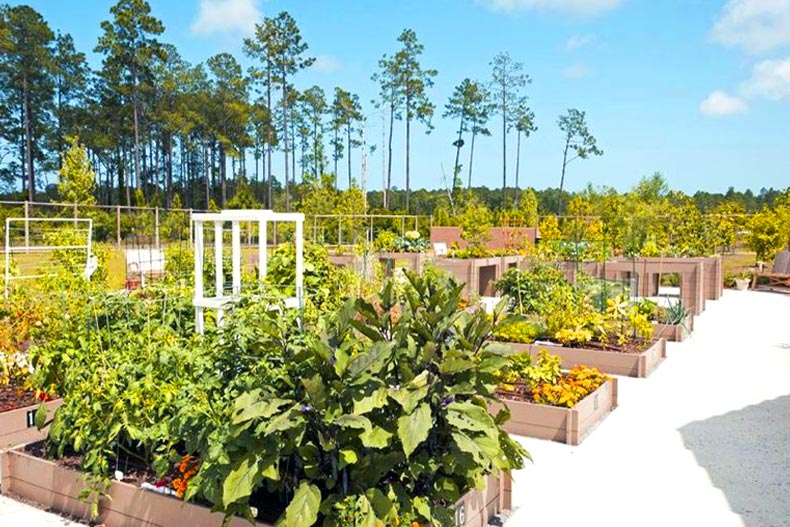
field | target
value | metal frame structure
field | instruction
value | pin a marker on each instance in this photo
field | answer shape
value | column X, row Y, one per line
column 236, row 218
column 27, row 248
column 367, row 223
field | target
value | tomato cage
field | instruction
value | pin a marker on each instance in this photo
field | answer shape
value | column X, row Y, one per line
column 223, row 296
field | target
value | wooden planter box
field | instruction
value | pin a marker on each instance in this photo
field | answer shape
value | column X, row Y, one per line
column 566, row 425
column 478, row 274
column 56, row 488
column 17, row 426
column 411, row 261
column 674, row 332
column 611, row 362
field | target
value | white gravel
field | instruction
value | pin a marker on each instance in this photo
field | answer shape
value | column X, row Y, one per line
column 704, row 441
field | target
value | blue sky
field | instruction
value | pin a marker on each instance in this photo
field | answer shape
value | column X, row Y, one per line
column 696, row 89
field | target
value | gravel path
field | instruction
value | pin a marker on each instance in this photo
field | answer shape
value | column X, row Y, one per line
column 704, row 441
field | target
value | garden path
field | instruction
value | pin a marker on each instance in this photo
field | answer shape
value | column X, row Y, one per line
column 704, row 441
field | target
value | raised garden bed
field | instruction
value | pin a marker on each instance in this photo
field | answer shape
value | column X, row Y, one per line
column 17, row 425
column 627, row 364
column 674, row 332
column 554, row 423
column 56, row 487
column 411, row 261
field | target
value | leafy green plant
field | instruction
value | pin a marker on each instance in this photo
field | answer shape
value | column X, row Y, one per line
column 543, row 382
column 524, row 332
column 676, row 313
column 381, row 410
column 118, row 366
column 385, row 241
column 531, row 290
column 411, row 242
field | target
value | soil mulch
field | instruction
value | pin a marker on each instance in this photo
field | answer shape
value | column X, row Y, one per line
column 133, row 473
column 13, row 397
column 270, row 506
column 633, row 346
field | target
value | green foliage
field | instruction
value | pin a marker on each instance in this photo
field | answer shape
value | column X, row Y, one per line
column 385, row 241
column 118, row 363
column 380, row 412
column 475, row 221
column 531, row 290
column 676, row 313
column 523, row 332
column 76, row 179
column 324, row 287
column 765, row 234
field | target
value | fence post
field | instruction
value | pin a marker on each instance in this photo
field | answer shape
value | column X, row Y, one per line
column 118, row 225
column 156, row 227
column 27, row 225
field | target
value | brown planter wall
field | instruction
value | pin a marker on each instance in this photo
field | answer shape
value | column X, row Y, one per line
column 411, row 261
column 566, row 425
column 714, row 278
column 16, row 426
column 611, row 362
column 674, row 332
column 56, row 488
column 478, row 274
column 499, row 237
column 647, row 271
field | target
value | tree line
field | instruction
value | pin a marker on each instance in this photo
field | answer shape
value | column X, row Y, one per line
column 157, row 127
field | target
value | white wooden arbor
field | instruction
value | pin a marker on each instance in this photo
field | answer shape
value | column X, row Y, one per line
column 235, row 218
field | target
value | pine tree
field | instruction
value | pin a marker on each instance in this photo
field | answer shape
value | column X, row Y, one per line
column 26, row 91
column 76, row 179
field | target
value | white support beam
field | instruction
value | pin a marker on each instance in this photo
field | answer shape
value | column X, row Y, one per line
column 219, row 284
column 236, row 257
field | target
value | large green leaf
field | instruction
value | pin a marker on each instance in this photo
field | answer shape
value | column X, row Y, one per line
column 471, row 417
column 410, row 395
column 353, row 421
column 247, row 409
column 467, row 444
column 40, row 419
column 371, row 402
column 287, row 420
column 302, row 511
column 376, row 437
column 414, row 428
column 240, row 482
column 371, row 361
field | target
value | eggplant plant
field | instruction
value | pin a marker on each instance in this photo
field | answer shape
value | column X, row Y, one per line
column 378, row 415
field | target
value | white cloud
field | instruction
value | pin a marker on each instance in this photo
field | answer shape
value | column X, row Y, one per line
column 770, row 79
column 577, row 71
column 575, row 7
column 326, row 64
column 755, row 25
column 226, row 16
column 720, row 104
column 578, row 41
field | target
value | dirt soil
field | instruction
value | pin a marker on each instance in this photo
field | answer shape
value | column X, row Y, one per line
column 133, row 472
column 13, row 397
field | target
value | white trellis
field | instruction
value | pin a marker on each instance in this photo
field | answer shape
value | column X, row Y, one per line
column 235, row 218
